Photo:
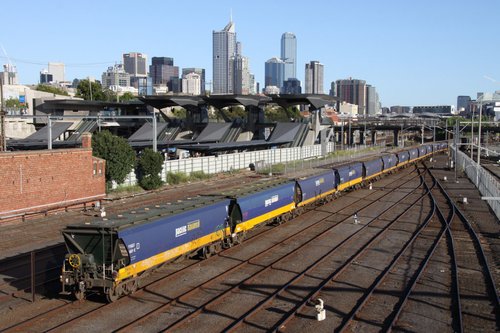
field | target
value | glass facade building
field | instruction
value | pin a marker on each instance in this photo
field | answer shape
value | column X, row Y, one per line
column 289, row 55
column 224, row 48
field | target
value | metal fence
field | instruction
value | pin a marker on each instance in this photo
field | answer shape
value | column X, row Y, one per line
column 486, row 183
column 304, row 157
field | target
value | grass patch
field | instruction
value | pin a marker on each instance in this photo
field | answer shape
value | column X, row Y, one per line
column 175, row 178
column 198, row 175
column 126, row 189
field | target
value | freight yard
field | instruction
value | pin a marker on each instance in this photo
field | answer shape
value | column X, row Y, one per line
column 395, row 254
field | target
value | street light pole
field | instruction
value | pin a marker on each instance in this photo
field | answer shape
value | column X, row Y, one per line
column 3, row 143
column 479, row 143
column 472, row 137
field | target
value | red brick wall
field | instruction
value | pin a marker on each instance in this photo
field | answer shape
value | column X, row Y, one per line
column 36, row 180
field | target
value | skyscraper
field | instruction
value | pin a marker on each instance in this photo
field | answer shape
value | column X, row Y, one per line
column 352, row 91
column 57, row 71
column 314, row 78
column 200, row 72
column 289, row 55
column 274, row 73
column 135, row 64
column 372, row 100
column 224, row 48
column 191, row 84
column 163, row 72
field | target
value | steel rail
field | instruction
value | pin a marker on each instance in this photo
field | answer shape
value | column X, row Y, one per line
column 484, row 260
column 345, row 241
column 291, row 314
column 457, row 316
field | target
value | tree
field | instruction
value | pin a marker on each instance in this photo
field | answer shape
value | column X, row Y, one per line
column 51, row 89
column 13, row 103
column 119, row 156
column 83, row 90
column 128, row 96
column 149, row 167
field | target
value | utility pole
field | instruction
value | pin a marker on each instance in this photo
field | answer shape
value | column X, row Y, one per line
column 3, row 143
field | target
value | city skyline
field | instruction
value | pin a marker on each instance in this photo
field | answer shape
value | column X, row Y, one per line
column 422, row 53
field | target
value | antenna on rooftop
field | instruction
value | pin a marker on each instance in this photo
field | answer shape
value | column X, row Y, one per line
column 6, row 56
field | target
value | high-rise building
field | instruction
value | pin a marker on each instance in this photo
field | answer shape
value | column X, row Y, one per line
column 135, row 64
column 292, row 86
column 200, row 72
column 289, row 55
column 241, row 76
column 224, row 48
column 314, row 78
column 352, row 91
column 46, row 77
column 463, row 102
column 191, row 84
column 163, row 72
column 274, row 72
column 57, row 71
column 372, row 100
column 115, row 76
column 9, row 75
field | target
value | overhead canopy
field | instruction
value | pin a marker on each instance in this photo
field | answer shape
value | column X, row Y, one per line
column 222, row 101
column 316, row 101
column 161, row 102
column 229, row 146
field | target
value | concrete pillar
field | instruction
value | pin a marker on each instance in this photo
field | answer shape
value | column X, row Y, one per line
column 374, row 137
column 396, row 141
column 361, row 137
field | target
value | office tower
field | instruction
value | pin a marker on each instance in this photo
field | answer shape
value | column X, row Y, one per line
column 163, row 72
column 463, row 102
column 115, row 76
column 135, row 64
column 372, row 100
column 57, row 71
column 46, row 77
column 274, row 73
column 241, row 76
column 352, row 91
column 292, row 86
column 224, row 48
column 9, row 75
column 289, row 55
column 314, row 78
column 200, row 72
column 191, row 83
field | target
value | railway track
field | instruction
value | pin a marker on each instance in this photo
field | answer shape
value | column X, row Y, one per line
column 56, row 316
column 411, row 263
column 15, row 272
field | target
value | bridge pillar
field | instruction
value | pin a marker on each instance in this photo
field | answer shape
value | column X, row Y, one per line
column 374, row 137
column 255, row 117
column 361, row 137
column 396, row 134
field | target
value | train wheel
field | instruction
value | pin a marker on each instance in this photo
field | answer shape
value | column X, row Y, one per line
column 206, row 252
column 112, row 294
column 217, row 247
column 79, row 295
column 240, row 237
column 130, row 286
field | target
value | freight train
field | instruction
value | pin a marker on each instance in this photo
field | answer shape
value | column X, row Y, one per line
column 111, row 256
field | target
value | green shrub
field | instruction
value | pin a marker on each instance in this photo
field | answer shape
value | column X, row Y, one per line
column 119, row 156
column 149, row 168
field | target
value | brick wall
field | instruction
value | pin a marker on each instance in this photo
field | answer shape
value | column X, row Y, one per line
column 37, row 180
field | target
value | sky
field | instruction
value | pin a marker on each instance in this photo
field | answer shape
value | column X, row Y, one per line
column 424, row 52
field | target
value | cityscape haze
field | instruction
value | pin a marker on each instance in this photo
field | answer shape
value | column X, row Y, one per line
column 414, row 53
